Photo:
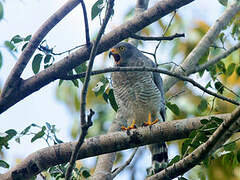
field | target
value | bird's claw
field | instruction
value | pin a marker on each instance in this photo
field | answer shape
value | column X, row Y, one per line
column 132, row 126
column 149, row 122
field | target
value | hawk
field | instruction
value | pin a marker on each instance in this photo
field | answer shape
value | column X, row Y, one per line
column 140, row 96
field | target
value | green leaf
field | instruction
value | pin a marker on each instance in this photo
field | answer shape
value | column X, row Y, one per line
column 213, row 71
column 47, row 58
column 80, row 69
column 221, row 67
column 238, row 156
column 97, row 8
column 230, row 146
column 182, row 178
column 10, row 46
column 204, row 58
column 48, row 125
column 3, row 164
column 17, row 39
column 17, row 140
column 112, row 100
column 36, row 63
column 230, row 69
column 39, row 134
column 203, row 105
column 85, row 172
column 105, row 97
column 174, row 160
column 208, row 85
column 217, row 120
column 75, row 82
column 185, row 145
column 60, row 82
column 238, row 70
column 223, row 2
column 26, row 130
column 11, row 133
column 1, row 59
column 1, row 11
column 219, row 87
column 173, row 107
column 25, row 45
column 28, row 38
column 204, row 121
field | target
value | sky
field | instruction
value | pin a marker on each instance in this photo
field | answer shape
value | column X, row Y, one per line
column 24, row 17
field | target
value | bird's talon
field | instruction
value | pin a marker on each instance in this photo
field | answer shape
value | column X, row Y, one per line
column 132, row 126
column 149, row 122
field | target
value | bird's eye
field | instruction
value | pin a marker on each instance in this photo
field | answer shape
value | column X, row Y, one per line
column 121, row 48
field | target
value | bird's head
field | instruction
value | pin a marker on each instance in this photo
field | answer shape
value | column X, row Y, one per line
column 122, row 53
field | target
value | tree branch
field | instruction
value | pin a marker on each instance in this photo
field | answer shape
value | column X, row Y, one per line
column 59, row 154
column 173, row 74
column 84, row 124
column 157, row 38
column 192, row 59
column 222, row 134
column 119, row 169
column 86, row 23
column 214, row 60
column 13, row 79
column 78, row 57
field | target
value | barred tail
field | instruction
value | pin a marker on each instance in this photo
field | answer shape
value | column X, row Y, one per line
column 159, row 157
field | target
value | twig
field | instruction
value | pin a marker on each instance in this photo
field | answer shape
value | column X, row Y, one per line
column 157, row 38
column 214, row 60
column 223, row 133
column 14, row 77
column 86, row 23
column 119, row 169
column 78, row 145
column 176, row 75
column 165, row 31
column 230, row 90
column 176, row 95
column 85, row 88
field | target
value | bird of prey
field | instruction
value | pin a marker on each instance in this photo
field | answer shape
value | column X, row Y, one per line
column 140, row 96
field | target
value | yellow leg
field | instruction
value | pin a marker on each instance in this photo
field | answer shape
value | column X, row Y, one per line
column 149, row 122
column 132, row 126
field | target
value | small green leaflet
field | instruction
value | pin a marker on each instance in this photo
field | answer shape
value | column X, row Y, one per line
column 3, row 164
column 230, row 69
column 17, row 39
column 223, row 2
column 238, row 70
column 97, row 8
column 10, row 46
column 112, row 100
column 219, row 87
column 1, row 11
column 230, row 146
column 203, row 105
column 0, row 59
column 173, row 107
column 39, row 134
column 36, row 63
column 47, row 58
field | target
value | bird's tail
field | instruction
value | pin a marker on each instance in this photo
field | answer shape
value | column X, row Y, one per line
column 159, row 153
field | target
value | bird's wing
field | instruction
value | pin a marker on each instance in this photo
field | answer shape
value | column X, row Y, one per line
column 159, row 83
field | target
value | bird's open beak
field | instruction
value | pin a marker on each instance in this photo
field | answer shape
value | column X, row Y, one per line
column 113, row 52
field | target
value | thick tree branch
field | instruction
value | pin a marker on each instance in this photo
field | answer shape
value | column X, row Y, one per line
column 13, row 79
column 58, row 154
column 157, row 38
column 192, row 59
column 219, row 137
column 173, row 74
column 120, row 33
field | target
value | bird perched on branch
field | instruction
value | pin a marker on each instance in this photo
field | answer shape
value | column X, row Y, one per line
column 140, row 96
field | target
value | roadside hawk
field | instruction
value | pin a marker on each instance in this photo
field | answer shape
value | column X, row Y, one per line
column 140, row 96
